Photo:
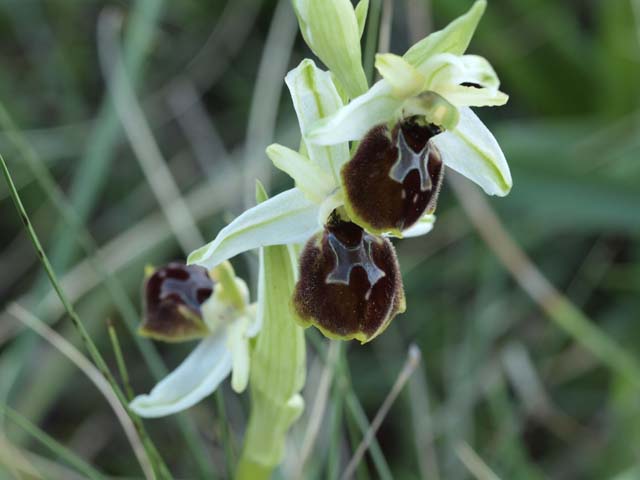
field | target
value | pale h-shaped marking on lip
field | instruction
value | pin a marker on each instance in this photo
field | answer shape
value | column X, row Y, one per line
column 408, row 160
column 349, row 257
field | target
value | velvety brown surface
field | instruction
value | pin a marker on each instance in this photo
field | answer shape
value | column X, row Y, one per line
column 350, row 282
column 390, row 188
column 173, row 295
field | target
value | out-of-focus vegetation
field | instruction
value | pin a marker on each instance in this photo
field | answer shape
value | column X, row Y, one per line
column 501, row 386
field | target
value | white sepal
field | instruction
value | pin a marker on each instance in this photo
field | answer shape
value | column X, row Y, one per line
column 315, row 97
column 471, row 150
column 421, row 227
column 196, row 378
column 286, row 218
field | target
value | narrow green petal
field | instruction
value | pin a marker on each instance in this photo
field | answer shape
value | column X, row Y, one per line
column 362, row 9
column 315, row 97
column 286, row 218
column 355, row 119
column 315, row 183
column 405, row 80
column 196, row 378
column 471, row 150
column 454, row 38
column 473, row 97
column 331, row 29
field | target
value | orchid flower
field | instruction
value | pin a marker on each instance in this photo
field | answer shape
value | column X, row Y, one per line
column 187, row 302
column 294, row 215
column 436, row 82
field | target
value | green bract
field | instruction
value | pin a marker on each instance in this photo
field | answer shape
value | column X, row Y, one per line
column 332, row 29
column 278, row 371
column 436, row 82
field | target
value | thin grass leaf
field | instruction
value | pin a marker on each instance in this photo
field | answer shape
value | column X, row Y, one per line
column 52, row 444
column 97, row 358
column 121, row 300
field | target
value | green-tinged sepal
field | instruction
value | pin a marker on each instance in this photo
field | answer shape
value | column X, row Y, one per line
column 332, row 29
column 405, row 80
column 471, row 150
column 350, row 285
column 289, row 217
column 454, row 38
column 315, row 96
column 362, row 10
column 314, row 182
column 172, row 300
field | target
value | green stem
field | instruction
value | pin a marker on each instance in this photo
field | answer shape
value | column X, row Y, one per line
column 122, row 366
column 225, row 433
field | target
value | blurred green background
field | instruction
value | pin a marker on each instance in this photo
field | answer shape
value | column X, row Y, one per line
column 501, row 388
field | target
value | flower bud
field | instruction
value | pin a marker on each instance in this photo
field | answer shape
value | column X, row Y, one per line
column 172, row 297
column 350, row 284
column 394, row 177
column 332, row 30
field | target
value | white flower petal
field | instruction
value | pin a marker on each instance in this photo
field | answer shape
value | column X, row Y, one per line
column 355, row 119
column 454, row 38
column 405, row 80
column 196, row 378
column 471, row 149
column 286, row 218
column 422, row 227
column 238, row 343
column 314, row 182
column 315, row 97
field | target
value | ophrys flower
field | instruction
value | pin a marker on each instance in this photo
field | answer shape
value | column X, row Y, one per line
column 186, row 302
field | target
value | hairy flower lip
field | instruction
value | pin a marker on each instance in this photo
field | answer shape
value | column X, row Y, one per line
column 350, row 285
column 172, row 300
column 394, row 177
